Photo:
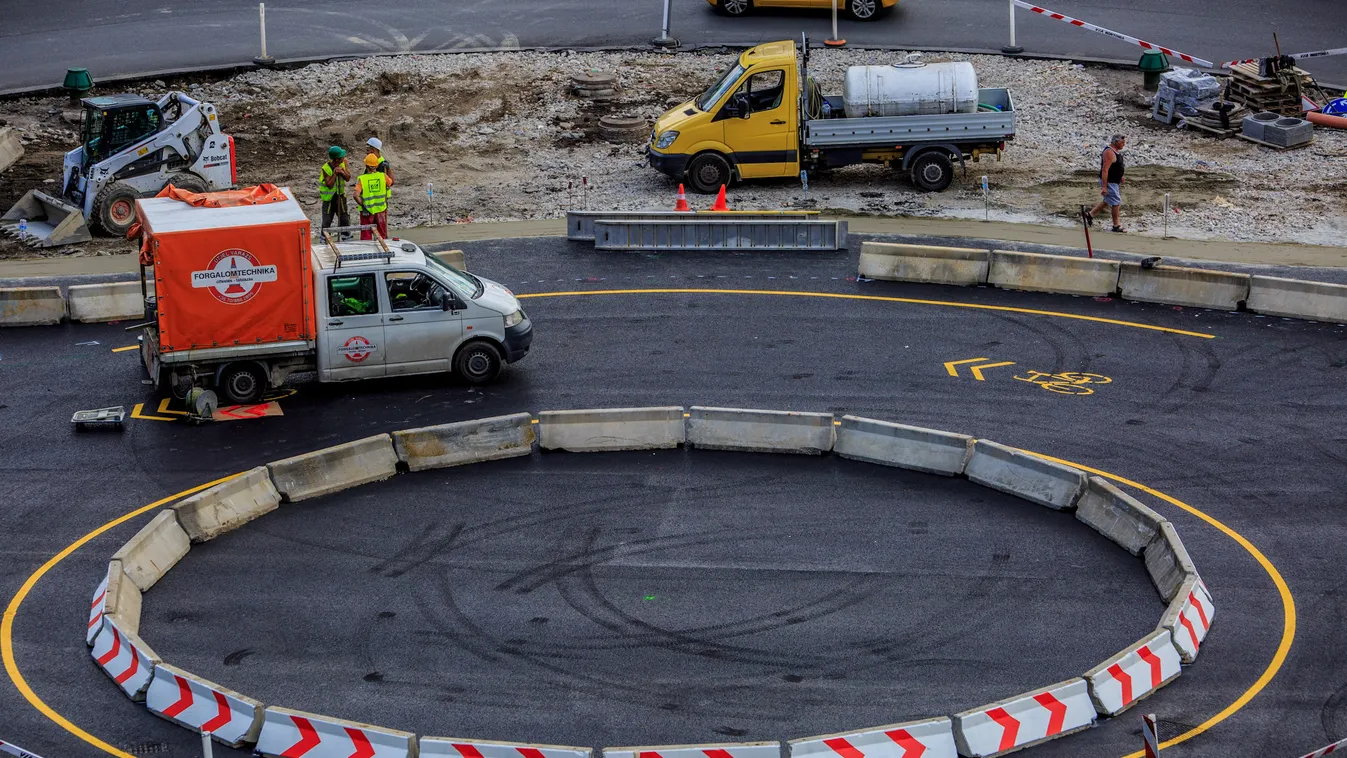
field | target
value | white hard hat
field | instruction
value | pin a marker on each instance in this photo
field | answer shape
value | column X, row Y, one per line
column 375, row 143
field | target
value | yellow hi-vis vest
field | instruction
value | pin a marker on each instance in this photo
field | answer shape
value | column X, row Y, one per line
column 374, row 192
column 326, row 193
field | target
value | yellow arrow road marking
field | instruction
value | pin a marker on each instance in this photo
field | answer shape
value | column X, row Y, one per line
column 163, row 408
column 951, row 364
column 977, row 370
column 136, row 413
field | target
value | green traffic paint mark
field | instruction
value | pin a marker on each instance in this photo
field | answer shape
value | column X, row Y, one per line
column 649, row 597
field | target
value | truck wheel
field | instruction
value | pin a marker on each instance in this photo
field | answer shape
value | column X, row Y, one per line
column 243, row 383
column 115, row 208
column 477, row 362
column 708, row 172
column 932, row 172
column 735, row 7
column 864, row 10
column 188, row 182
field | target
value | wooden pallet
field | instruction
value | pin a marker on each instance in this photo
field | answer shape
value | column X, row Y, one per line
column 1266, row 93
column 1274, row 147
column 1220, row 133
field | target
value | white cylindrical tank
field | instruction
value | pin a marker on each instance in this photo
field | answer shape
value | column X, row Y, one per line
column 910, row 89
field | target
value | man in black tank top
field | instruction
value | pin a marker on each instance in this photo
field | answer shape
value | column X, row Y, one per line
column 1110, row 181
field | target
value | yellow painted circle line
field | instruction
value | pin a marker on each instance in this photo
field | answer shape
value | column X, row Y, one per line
column 873, row 298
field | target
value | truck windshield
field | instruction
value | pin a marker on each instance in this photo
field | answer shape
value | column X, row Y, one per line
column 710, row 97
column 466, row 284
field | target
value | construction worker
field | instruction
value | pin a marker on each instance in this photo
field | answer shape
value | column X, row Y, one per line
column 376, row 147
column 332, row 179
column 371, row 194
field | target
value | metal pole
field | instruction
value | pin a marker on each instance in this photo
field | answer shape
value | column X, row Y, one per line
column 263, row 59
column 1012, row 48
column 986, row 200
column 1150, row 735
column 664, row 40
column 835, row 40
column 1166, row 215
column 207, row 750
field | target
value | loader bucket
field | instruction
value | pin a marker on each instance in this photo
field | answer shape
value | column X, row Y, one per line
column 51, row 221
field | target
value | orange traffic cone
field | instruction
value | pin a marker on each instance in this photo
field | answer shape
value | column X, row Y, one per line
column 682, row 204
column 720, row 201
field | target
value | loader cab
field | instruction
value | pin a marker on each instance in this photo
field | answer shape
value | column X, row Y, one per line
column 113, row 122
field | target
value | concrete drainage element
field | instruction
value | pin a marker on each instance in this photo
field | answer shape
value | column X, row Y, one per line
column 594, row 85
column 623, row 128
column 1007, row 725
column 1255, row 126
column 1288, row 132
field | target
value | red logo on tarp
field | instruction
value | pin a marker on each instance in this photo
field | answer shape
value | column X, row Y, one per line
column 357, row 349
column 233, row 276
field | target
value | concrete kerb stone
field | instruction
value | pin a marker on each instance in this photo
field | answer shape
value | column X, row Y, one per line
column 335, row 468
column 155, row 549
column 1168, row 563
column 612, row 429
column 31, row 306
column 228, row 505
column 1063, row 274
column 1193, row 287
column 1118, row 516
column 463, row 442
column 1134, row 673
column 929, row 738
column 1027, row 476
column 924, row 263
column 758, row 431
column 910, row 447
column 1293, row 298
column 1024, row 720
column 109, row 301
column 449, row 747
column 202, row 705
column 282, row 728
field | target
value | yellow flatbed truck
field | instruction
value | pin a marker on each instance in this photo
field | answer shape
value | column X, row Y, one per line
column 766, row 118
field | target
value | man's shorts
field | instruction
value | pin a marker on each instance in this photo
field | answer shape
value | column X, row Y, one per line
column 1112, row 195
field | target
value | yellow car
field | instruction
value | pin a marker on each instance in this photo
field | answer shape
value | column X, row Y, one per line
column 862, row 10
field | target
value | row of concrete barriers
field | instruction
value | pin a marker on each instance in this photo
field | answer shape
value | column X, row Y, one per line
column 990, row 730
column 95, row 303
column 1064, row 274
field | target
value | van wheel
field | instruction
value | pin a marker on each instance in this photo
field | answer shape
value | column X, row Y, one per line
column 932, row 172
column 735, row 7
column 243, row 383
column 478, row 362
column 708, row 172
column 115, row 208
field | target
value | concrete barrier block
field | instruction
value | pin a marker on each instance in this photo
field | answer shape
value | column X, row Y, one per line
column 611, row 429
column 475, row 441
column 1293, row 298
column 449, row 747
column 1024, row 720
column 757, row 431
column 1174, row 285
column 125, row 658
column 283, row 728
column 227, row 506
column 1134, row 673
column 924, row 263
column 31, row 306
column 153, row 550
column 1188, row 617
column 116, row 596
column 195, row 703
column 1028, row 476
column 1053, row 273
column 1118, row 516
column 113, row 301
column 928, row 738
column 1167, row 562
column 11, row 149
column 720, row 750
column 335, row 468
column 453, row 259
column 910, row 447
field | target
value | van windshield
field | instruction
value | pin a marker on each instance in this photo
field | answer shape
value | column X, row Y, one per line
column 467, row 285
column 712, row 96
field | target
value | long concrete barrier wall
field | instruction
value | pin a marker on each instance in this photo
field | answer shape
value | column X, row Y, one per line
column 1026, row 476
column 336, row 468
column 611, row 429
column 926, row 264
column 910, row 447
column 227, row 506
column 1118, row 516
column 1053, row 273
column 1293, row 298
column 31, row 306
column 463, row 442
column 155, row 549
column 1174, row 285
column 758, row 431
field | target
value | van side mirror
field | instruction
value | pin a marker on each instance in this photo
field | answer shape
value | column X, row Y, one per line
column 447, row 304
column 739, row 106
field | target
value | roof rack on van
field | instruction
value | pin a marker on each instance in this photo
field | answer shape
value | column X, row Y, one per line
column 386, row 255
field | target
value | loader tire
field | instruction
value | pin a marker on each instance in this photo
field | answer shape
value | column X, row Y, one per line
column 188, row 182
column 115, row 208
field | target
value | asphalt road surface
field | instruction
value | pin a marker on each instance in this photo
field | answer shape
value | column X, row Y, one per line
column 42, row 39
column 427, row 602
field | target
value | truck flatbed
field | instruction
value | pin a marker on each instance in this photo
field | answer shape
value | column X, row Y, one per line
column 871, row 131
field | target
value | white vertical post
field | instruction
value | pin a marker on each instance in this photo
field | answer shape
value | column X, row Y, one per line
column 263, row 59
column 1166, row 215
column 835, row 40
column 1150, row 736
column 1012, row 47
column 664, row 40
column 986, row 200
column 207, row 750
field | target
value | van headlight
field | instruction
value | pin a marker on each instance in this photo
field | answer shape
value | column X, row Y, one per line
column 514, row 319
column 665, row 140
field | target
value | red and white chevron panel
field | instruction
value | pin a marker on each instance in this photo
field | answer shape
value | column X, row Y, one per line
column 296, row 734
column 723, row 750
column 931, row 738
column 96, row 607
column 124, row 657
column 1330, row 750
column 204, row 706
column 449, row 747
column 1119, row 682
column 7, row 748
column 1024, row 720
column 1193, row 621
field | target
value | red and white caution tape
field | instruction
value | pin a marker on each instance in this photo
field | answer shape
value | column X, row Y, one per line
column 124, row 657
column 203, row 706
column 1297, row 56
column 448, row 747
column 932, row 738
column 1323, row 751
column 1110, row 33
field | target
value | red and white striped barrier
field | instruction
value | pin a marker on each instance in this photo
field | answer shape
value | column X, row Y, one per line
column 296, row 734
column 1119, row 682
column 204, row 706
column 722, row 750
column 931, row 738
column 1150, row 737
column 1110, row 33
column 1323, row 751
column 1024, row 720
column 96, row 609
column 1297, row 56
column 448, row 747
column 1189, row 617
column 16, row 751
column 124, row 657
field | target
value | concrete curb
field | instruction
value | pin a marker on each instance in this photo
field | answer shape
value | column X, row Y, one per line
column 611, row 429
column 464, row 442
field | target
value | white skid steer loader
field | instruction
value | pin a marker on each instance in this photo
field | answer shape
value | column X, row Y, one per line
column 132, row 148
